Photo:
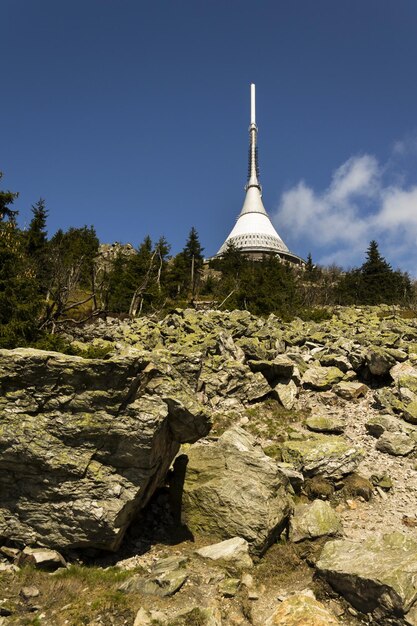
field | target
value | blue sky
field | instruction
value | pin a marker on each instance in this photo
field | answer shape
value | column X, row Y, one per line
column 133, row 116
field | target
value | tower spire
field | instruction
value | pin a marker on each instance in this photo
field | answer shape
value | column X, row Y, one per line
column 253, row 166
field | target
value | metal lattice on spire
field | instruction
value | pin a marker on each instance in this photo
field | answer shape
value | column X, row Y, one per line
column 254, row 231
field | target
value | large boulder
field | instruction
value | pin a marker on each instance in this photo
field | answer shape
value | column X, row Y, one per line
column 85, row 443
column 379, row 573
column 233, row 489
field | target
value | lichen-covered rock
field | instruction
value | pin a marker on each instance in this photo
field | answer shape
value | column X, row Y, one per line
column 321, row 378
column 310, row 521
column 324, row 424
column 410, row 412
column 380, row 361
column 387, row 400
column 376, row 573
column 328, row 455
column 84, row 443
column 302, row 609
column 233, row 489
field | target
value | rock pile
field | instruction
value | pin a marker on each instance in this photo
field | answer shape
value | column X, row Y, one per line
column 315, row 432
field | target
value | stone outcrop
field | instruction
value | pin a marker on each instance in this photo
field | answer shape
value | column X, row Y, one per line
column 379, row 574
column 84, row 443
column 233, row 489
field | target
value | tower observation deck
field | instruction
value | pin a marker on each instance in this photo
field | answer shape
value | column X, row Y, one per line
column 253, row 232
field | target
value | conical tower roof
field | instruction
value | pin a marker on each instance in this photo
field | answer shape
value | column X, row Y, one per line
column 254, row 231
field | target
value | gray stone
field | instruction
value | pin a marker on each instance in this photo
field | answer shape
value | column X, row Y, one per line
column 377, row 425
column 376, row 573
column 29, row 592
column 41, row 558
column 166, row 578
column 235, row 550
column 287, row 394
column 310, row 521
column 350, row 390
column 336, row 360
column 220, row 378
column 233, row 489
column 396, row 444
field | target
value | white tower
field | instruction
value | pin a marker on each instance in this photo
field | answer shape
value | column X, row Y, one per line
column 253, row 232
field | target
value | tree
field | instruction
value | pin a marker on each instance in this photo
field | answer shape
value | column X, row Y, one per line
column 185, row 269
column 71, row 282
column 137, row 282
column 375, row 282
column 6, row 199
column 37, row 245
column 37, row 235
column 20, row 303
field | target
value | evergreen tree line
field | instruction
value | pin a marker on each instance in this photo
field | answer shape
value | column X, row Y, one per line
column 46, row 282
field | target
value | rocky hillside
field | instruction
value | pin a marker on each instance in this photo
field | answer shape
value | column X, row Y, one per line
column 291, row 501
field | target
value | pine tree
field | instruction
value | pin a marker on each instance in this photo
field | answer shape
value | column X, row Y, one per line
column 20, row 303
column 193, row 256
column 6, row 199
column 375, row 282
column 37, row 245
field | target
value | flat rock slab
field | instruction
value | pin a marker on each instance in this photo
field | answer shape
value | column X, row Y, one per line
column 323, row 424
column 235, row 550
column 321, row 378
column 233, row 489
column 378, row 573
column 329, row 455
column 302, row 609
column 310, row 521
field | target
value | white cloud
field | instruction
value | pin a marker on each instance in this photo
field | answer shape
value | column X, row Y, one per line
column 356, row 207
column 405, row 146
